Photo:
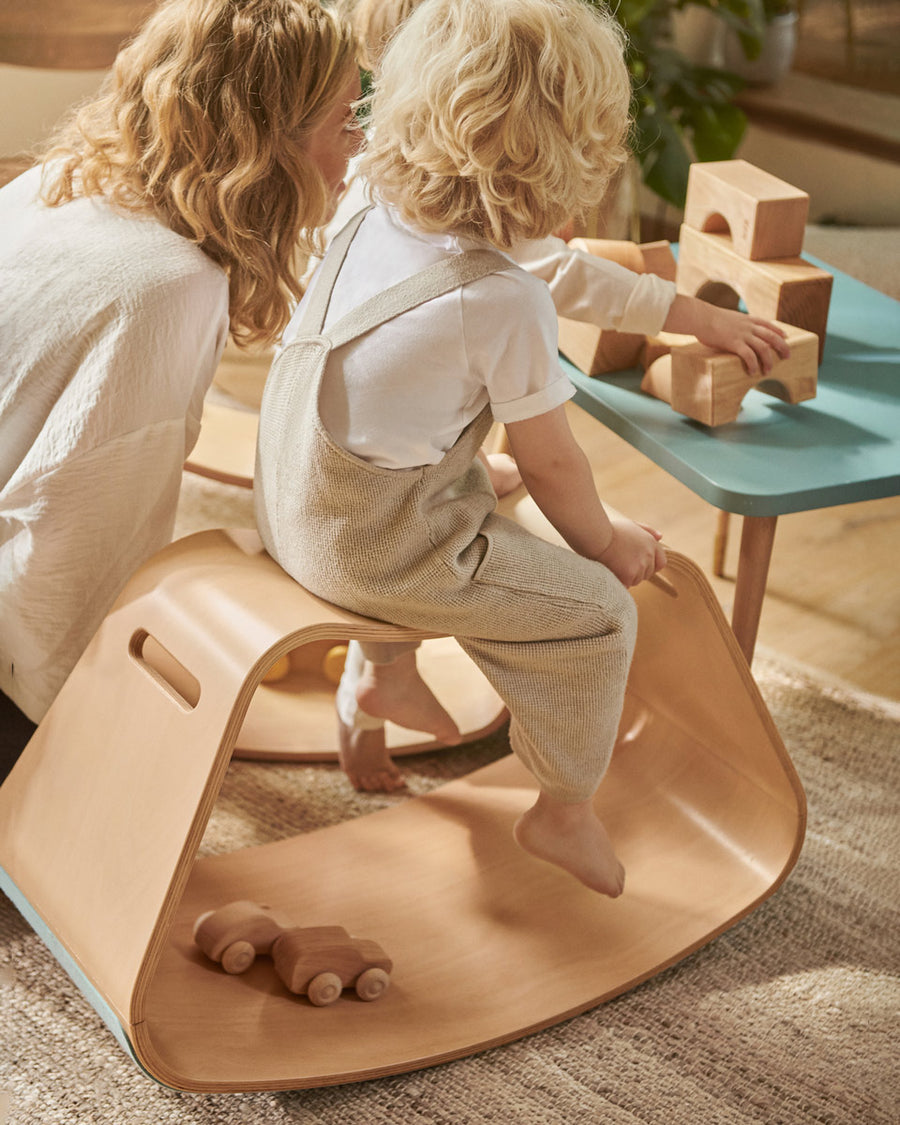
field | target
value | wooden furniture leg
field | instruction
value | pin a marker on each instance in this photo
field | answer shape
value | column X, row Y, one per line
column 757, row 537
column 720, row 544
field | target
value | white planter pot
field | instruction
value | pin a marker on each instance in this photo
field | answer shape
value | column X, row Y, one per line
column 774, row 60
column 698, row 34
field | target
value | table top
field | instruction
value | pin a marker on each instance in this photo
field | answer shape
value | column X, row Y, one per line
column 839, row 447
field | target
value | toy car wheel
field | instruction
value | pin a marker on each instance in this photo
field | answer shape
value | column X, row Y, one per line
column 324, row 989
column 238, row 957
column 372, row 984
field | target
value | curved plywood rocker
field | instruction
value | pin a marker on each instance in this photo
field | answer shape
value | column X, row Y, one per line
column 102, row 816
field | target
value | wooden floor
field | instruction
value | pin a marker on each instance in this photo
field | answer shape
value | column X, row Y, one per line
column 833, row 598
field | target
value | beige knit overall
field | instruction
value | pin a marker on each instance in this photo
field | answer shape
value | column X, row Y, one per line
column 422, row 547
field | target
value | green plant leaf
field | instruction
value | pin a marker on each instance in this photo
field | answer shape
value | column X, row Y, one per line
column 681, row 111
column 717, row 132
column 666, row 163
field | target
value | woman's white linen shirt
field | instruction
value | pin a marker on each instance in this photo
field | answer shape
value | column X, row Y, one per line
column 111, row 327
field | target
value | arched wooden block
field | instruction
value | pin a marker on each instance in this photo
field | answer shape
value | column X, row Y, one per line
column 789, row 290
column 710, row 386
column 765, row 216
column 101, row 818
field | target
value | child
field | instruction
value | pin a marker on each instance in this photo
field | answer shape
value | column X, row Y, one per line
column 583, row 287
column 493, row 123
column 167, row 213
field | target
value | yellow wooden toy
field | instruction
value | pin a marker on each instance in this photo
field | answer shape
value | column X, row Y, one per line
column 279, row 670
column 333, row 663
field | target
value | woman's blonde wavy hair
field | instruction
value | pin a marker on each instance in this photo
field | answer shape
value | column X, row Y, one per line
column 499, row 119
column 202, row 122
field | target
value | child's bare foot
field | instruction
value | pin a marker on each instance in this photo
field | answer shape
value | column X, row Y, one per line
column 573, row 838
column 397, row 692
column 364, row 759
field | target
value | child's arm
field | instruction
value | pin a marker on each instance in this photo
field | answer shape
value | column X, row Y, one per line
column 591, row 289
column 558, row 475
column 756, row 342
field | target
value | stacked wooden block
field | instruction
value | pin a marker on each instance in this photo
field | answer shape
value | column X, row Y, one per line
column 740, row 241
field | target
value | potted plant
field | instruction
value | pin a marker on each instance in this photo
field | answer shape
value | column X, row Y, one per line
column 766, row 59
column 684, row 108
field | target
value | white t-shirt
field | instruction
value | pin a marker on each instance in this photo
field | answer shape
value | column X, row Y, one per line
column 401, row 395
column 583, row 286
column 111, row 327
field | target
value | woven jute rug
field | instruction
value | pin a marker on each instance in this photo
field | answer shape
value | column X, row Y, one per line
column 791, row 1016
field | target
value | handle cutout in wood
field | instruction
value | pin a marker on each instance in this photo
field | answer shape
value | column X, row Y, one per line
column 162, row 667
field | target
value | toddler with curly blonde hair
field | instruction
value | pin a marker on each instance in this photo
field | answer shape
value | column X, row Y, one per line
column 492, row 122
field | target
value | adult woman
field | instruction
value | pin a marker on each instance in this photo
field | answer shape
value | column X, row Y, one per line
column 171, row 210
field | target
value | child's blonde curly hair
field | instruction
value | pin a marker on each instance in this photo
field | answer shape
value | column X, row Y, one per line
column 499, row 119
column 202, row 122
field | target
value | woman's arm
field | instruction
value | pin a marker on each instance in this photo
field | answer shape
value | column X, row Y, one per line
column 557, row 474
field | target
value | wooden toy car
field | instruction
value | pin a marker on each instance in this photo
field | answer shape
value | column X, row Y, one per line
column 316, row 961
column 321, row 961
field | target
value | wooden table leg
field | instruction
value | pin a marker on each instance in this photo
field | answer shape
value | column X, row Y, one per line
column 720, row 544
column 757, row 537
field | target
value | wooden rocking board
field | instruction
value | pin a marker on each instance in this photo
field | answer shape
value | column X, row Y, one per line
column 101, row 819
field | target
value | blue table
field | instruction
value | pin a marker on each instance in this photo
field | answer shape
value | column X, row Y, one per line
column 840, row 447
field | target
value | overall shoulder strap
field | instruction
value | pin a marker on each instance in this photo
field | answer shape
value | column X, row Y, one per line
column 433, row 281
column 315, row 311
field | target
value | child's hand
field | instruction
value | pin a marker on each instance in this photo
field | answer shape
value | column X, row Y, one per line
column 503, row 472
column 635, row 552
column 757, row 343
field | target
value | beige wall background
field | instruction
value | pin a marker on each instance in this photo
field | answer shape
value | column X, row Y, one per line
column 844, row 187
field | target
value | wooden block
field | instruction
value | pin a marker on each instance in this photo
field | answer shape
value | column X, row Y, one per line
column 626, row 253
column 659, row 259
column 788, row 290
column 657, row 380
column 660, row 345
column 643, row 257
column 596, row 351
column 709, row 386
column 766, row 216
